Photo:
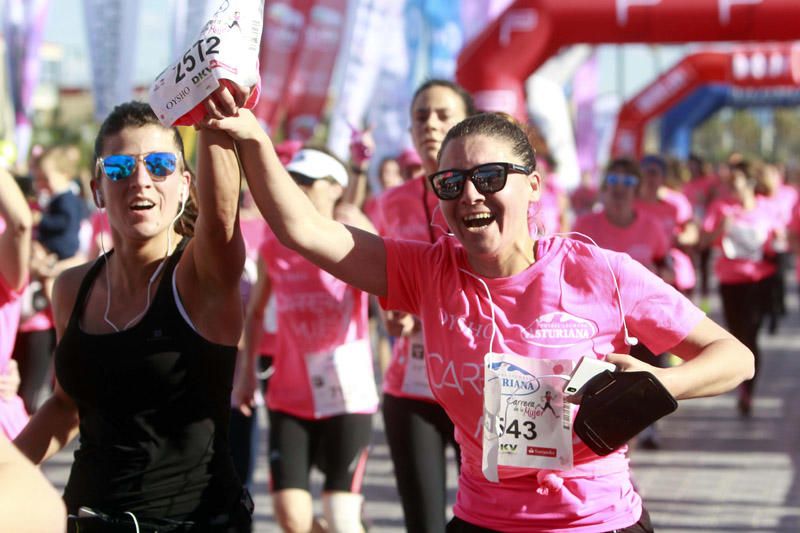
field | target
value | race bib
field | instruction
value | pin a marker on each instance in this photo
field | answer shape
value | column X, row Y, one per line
column 415, row 380
column 743, row 241
column 226, row 49
column 342, row 380
column 527, row 421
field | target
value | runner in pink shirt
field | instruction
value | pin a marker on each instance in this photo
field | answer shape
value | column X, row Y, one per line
column 700, row 190
column 322, row 393
column 15, row 248
column 675, row 213
column 781, row 198
column 621, row 227
column 418, row 430
column 743, row 229
column 492, row 287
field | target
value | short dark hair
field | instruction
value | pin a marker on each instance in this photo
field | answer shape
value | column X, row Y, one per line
column 466, row 98
column 497, row 126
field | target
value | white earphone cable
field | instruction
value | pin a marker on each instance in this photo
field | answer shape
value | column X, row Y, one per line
column 152, row 278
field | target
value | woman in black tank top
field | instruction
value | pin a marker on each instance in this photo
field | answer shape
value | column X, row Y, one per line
column 147, row 338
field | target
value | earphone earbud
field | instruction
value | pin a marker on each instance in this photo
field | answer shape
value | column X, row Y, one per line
column 630, row 340
column 184, row 195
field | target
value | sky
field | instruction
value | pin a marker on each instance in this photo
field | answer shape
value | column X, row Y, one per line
column 65, row 27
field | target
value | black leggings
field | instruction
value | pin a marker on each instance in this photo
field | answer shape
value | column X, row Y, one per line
column 33, row 351
column 744, row 306
column 418, row 433
column 457, row 525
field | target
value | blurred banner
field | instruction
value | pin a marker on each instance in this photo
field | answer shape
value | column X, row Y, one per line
column 24, row 25
column 111, row 29
column 358, row 72
column 434, row 36
column 306, row 96
column 393, row 47
column 547, row 107
column 188, row 17
column 284, row 21
column 388, row 112
column 584, row 94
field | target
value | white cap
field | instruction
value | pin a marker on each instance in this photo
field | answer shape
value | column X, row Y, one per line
column 317, row 165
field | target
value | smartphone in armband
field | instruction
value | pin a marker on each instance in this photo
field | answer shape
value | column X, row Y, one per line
column 617, row 406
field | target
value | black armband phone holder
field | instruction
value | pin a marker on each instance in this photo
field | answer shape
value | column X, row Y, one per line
column 616, row 406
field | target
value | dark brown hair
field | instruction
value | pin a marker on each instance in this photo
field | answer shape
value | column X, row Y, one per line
column 466, row 98
column 496, row 126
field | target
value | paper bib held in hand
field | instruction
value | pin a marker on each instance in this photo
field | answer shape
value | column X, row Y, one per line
column 226, row 49
column 526, row 421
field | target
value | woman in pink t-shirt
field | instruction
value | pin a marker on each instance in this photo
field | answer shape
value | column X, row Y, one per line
column 494, row 289
column 322, row 393
column 621, row 226
column 15, row 248
column 674, row 212
column 744, row 228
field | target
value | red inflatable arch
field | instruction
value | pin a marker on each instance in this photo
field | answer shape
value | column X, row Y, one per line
column 753, row 67
column 496, row 63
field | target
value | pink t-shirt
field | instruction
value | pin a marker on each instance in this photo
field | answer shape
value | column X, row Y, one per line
column 569, row 285
column 742, row 246
column 316, row 313
column 674, row 211
column 407, row 212
column 13, row 416
column 644, row 240
column 782, row 202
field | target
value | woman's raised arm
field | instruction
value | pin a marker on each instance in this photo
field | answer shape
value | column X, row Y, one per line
column 352, row 255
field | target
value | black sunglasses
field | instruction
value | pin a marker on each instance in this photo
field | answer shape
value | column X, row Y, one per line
column 487, row 178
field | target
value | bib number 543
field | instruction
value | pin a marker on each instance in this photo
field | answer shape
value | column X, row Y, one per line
column 528, row 431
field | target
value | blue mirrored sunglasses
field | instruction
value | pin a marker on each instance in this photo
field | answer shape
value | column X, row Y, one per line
column 627, row 180
column 159, row 165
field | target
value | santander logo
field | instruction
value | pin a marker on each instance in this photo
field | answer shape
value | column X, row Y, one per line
column 559, row 329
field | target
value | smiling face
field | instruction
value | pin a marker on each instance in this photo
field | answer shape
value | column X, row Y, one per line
column 492, row 227
column 138, row 206
column 433, row 112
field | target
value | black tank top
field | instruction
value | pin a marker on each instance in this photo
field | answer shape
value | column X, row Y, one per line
column 154, row 402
